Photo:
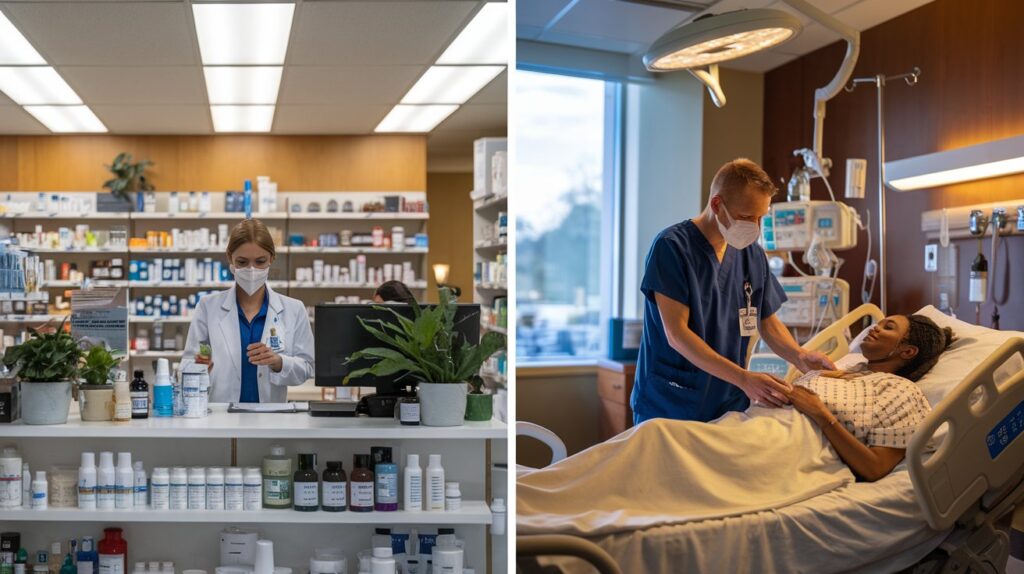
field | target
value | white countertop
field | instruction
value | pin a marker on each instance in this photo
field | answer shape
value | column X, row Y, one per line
column 222, row 424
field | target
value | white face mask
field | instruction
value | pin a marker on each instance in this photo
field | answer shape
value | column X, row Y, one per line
column 739, row 234
column 250, row 279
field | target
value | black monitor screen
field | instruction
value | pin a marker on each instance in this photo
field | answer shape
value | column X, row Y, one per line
column 338, row 334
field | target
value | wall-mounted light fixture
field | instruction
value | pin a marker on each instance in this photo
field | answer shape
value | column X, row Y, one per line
column 980, row 161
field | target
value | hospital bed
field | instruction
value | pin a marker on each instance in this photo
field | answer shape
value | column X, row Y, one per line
column 937, row 511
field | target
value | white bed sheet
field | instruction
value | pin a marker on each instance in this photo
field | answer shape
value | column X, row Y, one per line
column 864, row 527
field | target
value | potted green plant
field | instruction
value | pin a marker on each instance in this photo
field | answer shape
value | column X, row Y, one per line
column 46, row 364
column 96, row 392
column 128, row 177
column 479, row 406
column 428, row 348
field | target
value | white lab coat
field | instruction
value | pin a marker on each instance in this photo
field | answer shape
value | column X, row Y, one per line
column 216, row 321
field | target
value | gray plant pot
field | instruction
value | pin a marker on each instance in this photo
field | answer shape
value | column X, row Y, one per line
column 45, row 403
column 442, row 404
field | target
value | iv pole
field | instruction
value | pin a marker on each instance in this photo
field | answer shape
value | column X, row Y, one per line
column 879, row 81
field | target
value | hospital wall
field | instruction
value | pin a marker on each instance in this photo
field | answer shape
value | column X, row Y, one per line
column 735, row 130
column 970, row 92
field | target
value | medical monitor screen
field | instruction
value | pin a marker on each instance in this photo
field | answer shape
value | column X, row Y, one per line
column 339, row 334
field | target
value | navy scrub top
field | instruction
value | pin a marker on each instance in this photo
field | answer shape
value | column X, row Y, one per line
column 683, row 266
column 249, row 333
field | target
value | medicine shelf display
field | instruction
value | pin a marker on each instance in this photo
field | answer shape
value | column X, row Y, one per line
column 490, row 249
column 223, row 440
column 384, row 231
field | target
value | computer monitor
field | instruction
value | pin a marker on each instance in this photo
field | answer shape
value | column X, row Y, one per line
column 339, row 334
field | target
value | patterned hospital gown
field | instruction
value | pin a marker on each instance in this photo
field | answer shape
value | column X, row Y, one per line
column 879, row 409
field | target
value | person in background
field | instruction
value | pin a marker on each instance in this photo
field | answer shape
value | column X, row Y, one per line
column 707, row 289
column 393, row 292
column 255, row 342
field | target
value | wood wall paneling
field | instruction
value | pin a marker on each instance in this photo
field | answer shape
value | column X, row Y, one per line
column 451, row 230
column 970, row 92
column 217, row 163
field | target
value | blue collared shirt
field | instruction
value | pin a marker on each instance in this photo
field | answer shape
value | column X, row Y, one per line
column 249, row 333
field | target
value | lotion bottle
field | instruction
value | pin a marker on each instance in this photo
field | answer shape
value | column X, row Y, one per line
column 435, row 483
column 413, row 484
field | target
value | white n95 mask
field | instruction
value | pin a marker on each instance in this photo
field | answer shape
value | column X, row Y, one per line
column 250, row 279
column 739, row 234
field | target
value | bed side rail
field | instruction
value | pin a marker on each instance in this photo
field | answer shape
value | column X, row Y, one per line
column 977, row 473
column 565, row 545
column 833, row 340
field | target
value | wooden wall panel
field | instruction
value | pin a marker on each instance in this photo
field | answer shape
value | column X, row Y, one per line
column 216, row 163
column 970, row 92
column 451, row 234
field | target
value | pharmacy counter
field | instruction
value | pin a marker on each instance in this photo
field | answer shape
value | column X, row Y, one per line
column 222, row 424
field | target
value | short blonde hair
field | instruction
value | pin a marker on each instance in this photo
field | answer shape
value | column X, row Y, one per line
column 251, row 231
column 738, row 174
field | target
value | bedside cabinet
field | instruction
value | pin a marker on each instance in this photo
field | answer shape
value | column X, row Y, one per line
column 614, row 385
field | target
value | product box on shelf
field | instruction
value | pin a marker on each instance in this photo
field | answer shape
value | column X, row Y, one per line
column 483, row 156
column 8, row 401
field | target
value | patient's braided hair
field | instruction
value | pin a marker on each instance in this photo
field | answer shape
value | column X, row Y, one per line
column 930, row 340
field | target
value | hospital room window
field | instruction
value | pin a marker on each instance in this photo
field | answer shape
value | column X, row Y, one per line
column 566, row 129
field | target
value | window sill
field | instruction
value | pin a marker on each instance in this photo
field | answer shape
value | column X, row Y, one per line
column 556, row 369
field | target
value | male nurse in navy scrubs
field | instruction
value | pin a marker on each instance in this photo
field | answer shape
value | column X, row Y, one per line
column 707, row 288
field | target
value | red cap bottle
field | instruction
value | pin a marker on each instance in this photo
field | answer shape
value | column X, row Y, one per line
column 113, row 552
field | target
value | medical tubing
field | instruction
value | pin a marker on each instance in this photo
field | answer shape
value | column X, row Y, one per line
column 829, row 306
column 867, row 261
column 997, row 301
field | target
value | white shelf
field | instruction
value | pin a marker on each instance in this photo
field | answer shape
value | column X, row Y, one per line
column 350, row 286
column 70, row 216
column 142, row 319
column 155, row 354
column 165, row 250
column 182, row 284
column 492, row 286
column 31, row 318
column 55, row 250
column 222, row 424
column 472, row 512
column 492, row 245
column 191, row 215
column 357, row 250
column 77, row 284
column 37, row 296
column 491, row 203
column 376, row 216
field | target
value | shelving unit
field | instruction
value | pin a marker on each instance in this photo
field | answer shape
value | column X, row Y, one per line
column 283, row 272
column 487, row 245
column 235, row 439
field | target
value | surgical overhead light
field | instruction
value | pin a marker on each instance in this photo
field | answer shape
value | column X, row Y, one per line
column 980, row 161
column 713, row 39
column 720, row 38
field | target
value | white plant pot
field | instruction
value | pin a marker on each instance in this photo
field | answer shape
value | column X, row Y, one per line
column 45, row 403
column 96, row 402
column 442, row 404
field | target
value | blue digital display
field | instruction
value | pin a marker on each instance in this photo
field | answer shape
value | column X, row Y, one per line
column 825, row 223
column 1006, row 431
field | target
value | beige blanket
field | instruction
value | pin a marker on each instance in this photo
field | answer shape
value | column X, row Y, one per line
column 668, row 472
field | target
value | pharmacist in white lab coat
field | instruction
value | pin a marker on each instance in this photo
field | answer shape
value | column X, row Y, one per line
column 261, row 342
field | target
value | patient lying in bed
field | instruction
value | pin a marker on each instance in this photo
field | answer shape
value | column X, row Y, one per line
column 665, row 471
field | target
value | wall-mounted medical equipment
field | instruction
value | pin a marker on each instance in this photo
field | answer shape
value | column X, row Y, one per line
column 792, row 225
column 813, row 301
column 856, row 177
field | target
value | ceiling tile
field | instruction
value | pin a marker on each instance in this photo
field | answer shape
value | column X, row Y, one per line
column 538, row 13
column 137, row 85
column 476, row 117
column 810, row 38
column 495, row 92
column 107, row 34
column 134, row 119
column 347, row 84
column 594, row 42
column 329, row 119
column 374, row 33
column 619, row 20
column 527, row 32
column 15, row 120
column 869, row 13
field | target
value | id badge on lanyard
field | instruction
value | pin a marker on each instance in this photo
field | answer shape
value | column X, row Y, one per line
column 748, row 314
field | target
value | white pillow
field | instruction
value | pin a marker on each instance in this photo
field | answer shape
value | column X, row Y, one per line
column 973, row 344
